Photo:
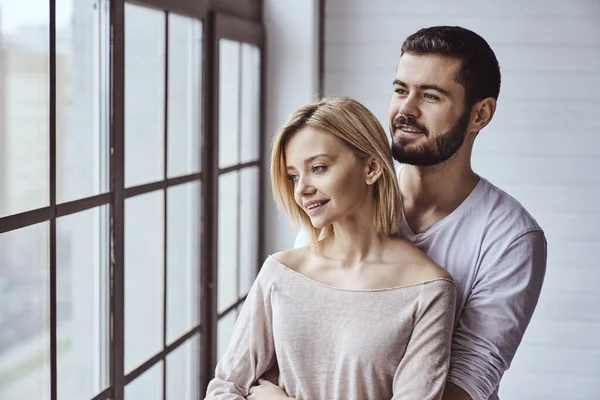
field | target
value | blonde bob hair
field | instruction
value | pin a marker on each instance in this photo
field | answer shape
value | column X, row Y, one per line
column 353, row 124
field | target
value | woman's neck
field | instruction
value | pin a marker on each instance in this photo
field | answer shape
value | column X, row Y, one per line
column 354, row 242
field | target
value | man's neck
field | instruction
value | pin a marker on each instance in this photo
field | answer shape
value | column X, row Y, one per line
column 437, row 187
column 429, row 194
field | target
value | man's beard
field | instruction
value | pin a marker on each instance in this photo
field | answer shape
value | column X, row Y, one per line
column 433, row 151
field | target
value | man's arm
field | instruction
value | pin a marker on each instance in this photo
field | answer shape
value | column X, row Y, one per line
column 495, row 317
column 301, row 239
column 453, row 392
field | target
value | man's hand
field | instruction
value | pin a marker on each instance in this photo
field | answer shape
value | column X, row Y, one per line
column 454, row 392
column 266, row 390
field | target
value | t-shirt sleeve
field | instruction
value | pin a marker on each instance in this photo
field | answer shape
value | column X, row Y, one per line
column 251, row 350
column 496, row 315
column 301, row 239
column 422, row 371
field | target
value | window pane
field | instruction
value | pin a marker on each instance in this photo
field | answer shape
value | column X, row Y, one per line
column 144, row 252
column 250, row 134
column 82, row 303
column 81, row 98
column 182, row 371
column 183, row 264
column 248, row 228
column 228, row 240
column 224, row 331
column 239, row 309
column 144, row 94
column 24, row 314
column 185, row 77
column 148, row 386
column 24, row 106
column 229, row 99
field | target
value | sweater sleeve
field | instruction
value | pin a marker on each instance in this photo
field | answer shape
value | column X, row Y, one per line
column 422, row 371
column 251, row 349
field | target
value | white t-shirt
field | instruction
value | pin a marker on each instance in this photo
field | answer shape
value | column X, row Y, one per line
column 496, row 253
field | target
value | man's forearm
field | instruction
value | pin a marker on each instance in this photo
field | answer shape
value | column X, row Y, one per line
column 454, row 392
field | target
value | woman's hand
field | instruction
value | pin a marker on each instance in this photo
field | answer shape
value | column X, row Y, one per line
column 266, row 390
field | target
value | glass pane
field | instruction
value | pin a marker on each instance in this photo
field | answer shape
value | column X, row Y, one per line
column 249, row 180
column 183, row 261
column 229, row 102
column 185, row 88
column 182, row 371
column 144, row 252
column 148, row 386
column 224, row 331
column 24, row 106
column 239, row 309
column 250, row 103
column 24, row 314
column 228, row 240
column 82, row 303
column 144, row 94
column 82, row 92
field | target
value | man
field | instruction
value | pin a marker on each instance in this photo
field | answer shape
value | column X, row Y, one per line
column 445, row 91
column 446, row 87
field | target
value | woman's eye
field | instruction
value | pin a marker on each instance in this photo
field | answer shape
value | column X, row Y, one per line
column 318, row 169
column 293, row 178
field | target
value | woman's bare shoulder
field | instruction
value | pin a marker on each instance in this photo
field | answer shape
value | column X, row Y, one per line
column 293, row 259
column 417, row 266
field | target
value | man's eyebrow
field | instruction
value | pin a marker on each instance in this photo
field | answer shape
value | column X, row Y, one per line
column 311, row 159
column 434, row 87
column 427, row 86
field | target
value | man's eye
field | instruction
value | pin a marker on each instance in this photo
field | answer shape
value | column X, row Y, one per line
column 431, row 96
column 400, row 91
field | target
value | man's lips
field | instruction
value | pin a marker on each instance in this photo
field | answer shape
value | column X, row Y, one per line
column 409, row 129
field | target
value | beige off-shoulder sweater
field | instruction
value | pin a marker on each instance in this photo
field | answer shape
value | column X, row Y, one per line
column 338, row 344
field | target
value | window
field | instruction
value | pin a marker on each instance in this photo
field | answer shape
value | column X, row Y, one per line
column 131, row 170
column 238, row 148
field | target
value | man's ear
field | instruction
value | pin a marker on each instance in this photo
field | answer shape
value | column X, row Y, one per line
column 481, row 114
column 373, row 170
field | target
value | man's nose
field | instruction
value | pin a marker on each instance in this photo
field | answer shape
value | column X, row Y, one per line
column 410, row 106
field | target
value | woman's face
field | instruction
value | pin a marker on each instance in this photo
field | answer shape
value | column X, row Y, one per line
column 330, row 182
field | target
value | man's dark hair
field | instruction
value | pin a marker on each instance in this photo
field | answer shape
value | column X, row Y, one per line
column 479, row 73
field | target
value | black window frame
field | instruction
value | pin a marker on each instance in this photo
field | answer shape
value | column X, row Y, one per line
column 239, row 30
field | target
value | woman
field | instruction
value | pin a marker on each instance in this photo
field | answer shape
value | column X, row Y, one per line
column 359, row 313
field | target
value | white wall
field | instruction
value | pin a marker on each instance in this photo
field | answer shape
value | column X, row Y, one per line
column 542, row 147
column 292, row 79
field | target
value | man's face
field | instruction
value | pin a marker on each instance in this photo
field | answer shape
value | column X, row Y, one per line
column 427, row 116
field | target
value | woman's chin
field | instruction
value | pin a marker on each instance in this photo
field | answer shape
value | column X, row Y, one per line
column 318, row 223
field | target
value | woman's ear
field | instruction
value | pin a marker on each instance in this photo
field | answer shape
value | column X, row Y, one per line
column 373, row 170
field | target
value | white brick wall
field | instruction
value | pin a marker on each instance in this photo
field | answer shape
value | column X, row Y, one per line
column 542, row 147
column 292, row 81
